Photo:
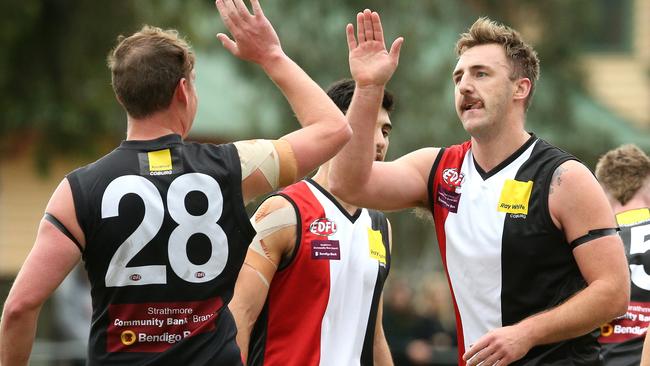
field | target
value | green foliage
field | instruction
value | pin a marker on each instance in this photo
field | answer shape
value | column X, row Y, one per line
column 54, row 82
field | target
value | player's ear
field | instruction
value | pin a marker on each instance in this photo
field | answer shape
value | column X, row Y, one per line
column 183, row 90
column 522, row 88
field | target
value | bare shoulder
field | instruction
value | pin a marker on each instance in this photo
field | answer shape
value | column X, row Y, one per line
column 570, row 176
column 272, row 204
column 577, row 202
column 61, row 206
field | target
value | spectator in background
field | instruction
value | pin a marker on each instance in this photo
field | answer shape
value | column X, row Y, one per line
column 624, row 172
column 414, row 329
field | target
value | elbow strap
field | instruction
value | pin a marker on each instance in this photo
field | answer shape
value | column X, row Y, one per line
column 57, row 224
column 594, row 234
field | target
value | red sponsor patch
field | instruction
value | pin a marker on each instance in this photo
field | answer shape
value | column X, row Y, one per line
column 323, row 226
column 631, row 325
column 155, row 327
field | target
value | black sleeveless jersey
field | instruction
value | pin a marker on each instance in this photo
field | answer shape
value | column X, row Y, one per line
column 166, row 234
column 622, row 338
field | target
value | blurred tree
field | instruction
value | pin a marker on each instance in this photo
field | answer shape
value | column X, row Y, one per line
column 53, row 75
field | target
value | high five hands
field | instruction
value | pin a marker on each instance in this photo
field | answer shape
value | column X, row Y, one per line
column 370, row 63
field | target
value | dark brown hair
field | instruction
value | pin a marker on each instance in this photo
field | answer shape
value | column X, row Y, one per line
column 146, row 67
column 341, row 93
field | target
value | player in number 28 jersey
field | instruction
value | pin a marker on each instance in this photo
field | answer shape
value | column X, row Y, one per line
column 166, row 234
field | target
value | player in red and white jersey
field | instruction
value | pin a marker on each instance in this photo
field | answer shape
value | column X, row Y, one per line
column 624, row 172
column 310, row 289
column 159, row 222
column 497, row 200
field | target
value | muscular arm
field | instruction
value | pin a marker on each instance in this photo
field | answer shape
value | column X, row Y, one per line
column 275, row 223
column 325, row 129
column 577, row 205
column 353, row 176
column 53, row 256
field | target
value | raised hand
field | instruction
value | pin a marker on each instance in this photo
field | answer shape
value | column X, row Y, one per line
column 255, row 39
column 370, row 63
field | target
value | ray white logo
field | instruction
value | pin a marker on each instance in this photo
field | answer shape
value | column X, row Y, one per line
column 323, row 226
column 453, row 178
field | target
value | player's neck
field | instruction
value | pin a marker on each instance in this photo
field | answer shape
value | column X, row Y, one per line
column 492, row 151
column 639, row 200
column 152, row 127
column 321, row 178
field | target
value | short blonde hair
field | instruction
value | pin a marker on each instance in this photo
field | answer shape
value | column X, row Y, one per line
column 523, row 58
column 623, row 171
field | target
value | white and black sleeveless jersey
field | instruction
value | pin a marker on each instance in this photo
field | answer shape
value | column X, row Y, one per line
column 622, row 338
column 166, row 234
column 505, row 259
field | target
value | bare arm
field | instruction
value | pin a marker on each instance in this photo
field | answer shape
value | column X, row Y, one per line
column 353, row 175
column 275, row 224
column 50, row 260
column 577, row 204
column 325, row 129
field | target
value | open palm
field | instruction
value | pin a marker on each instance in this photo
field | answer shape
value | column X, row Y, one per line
column 370, row 62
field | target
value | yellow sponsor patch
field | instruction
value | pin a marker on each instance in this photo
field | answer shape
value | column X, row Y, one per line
column 515, row 196
column 160, row 160
column 633, row 216
column 377, row 249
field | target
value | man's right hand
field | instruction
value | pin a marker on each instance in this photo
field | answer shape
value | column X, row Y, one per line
column 370, row 63
column 255, row 39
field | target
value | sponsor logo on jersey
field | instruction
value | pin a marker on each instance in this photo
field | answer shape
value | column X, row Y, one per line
column 325, row 249
column 160, row 161
column 453, row 178
column 376, row 246
column 448, row 199
column 128, row 337
column 632, row 325
column 135, row 277
column 514, row 197
column 633, row 217
column 323, row 227
column 154, row 327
